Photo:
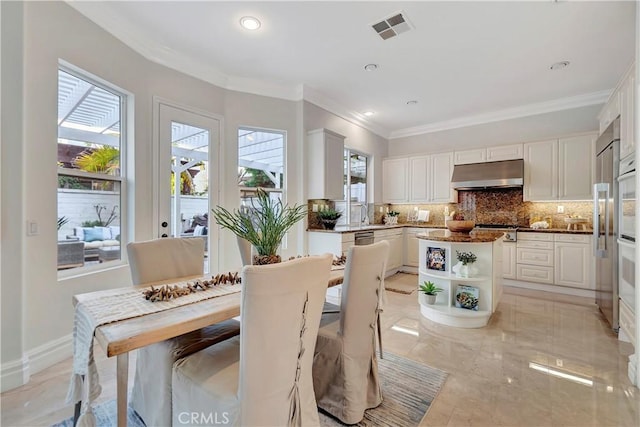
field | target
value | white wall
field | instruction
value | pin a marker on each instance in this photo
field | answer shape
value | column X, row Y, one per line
column 12, row 225
column 37, row 315
column 525, row 129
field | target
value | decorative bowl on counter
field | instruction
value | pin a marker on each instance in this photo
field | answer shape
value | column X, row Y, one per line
column 458, row 226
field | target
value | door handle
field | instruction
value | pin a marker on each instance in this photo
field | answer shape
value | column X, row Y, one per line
column 600, row 250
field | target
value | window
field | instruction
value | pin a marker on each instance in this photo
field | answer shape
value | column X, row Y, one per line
column 260, row 163
column 90, row 181
column 355, row 188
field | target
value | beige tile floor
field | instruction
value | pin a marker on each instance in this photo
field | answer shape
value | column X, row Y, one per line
column 490, row 382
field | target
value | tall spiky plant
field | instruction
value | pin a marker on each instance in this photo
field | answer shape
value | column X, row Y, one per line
column 264, row 225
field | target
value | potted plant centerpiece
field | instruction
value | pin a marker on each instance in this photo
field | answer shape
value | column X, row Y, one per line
column 431, row 291
column 329, row 218
column 263, row 225
column 464, row 268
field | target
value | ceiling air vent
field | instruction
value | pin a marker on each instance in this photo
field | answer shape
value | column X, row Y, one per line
column 392, row 26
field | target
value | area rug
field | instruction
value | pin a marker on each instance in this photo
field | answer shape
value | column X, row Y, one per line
column 408, row 387
column 401, row 288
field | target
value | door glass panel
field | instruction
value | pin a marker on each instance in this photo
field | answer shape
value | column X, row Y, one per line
column 189, row 182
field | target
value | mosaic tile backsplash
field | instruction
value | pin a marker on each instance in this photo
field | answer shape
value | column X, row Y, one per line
column 500, row 206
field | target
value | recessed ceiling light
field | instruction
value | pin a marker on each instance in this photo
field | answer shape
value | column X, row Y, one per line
column 412, row 102
column 249, row 23
column 560, row 65
column 371, row 67
column 369, row 113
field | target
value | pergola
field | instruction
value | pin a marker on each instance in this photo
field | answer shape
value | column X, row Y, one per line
column 90, row 115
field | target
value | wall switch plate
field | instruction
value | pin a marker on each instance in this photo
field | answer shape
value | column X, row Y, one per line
column 560, row 209
column 380, row 209
column 32, row 228
column 314, row 207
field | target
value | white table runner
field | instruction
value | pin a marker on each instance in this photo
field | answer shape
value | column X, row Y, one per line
column 104, row 309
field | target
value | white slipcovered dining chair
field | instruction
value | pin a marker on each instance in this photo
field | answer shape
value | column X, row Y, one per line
column 345, row 368
column 156, row 262
column 263, row 377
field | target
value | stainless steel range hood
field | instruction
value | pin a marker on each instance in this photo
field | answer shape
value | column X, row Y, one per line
column 477, row 176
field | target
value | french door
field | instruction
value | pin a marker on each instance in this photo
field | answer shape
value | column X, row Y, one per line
column 187, row 176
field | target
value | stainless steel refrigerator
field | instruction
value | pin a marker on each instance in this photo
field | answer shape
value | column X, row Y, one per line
column 605, row 222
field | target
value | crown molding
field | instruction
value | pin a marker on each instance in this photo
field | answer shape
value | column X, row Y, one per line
column 569, row 103
column 315, row 97
column 102, row 15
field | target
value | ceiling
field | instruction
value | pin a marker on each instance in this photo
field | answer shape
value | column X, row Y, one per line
column 464, row 62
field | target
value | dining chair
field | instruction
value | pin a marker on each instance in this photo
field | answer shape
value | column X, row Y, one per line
column 156, row 262
column 263, row 377
column 345, row 368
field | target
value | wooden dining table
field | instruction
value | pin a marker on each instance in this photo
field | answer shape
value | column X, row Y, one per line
column 119, row 338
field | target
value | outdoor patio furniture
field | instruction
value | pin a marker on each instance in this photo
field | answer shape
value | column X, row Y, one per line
column 70, row 254
column 95, row 238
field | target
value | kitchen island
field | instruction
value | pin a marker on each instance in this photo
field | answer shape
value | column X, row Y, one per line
column 479, row 292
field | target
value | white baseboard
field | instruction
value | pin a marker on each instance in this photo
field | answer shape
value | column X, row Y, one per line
column 14, row 374
column 408, row 269
column 50, row 353
column 587, row 293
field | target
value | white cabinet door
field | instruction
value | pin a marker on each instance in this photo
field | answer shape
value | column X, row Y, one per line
column 325, row 158
column 419, row 183
column 470, row 156
column 610, row 111
column 572, row 265
column 505, row 152
column 411, row 257
column 441, row 170
column 576, row 159
column 395, row 252
column 508, row 260
column 627, row 135
column 395, row 180
column 541, row 170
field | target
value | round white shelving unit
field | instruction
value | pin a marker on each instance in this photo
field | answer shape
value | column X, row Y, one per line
column 486, row 283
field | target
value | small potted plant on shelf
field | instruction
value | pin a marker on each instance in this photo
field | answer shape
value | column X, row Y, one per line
column 431, row 291
column 391, row 218
column 463, row 266
column 329, row 218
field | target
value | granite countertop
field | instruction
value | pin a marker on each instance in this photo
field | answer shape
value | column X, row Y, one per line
column 352, row 229
column 479, row 236
column 371, row 227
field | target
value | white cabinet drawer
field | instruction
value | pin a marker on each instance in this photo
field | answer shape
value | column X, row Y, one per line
column 534, row 273
column 535, row 244
column 545, row 237
column 628, row 322
column 573, row 238
column 535, row 257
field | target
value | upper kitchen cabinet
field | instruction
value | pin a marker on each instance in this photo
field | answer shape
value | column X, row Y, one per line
column 325, row 163
column 470, row 156
column 441, row 171
column 576, row 157
column 559, row 169
column 541, row 170
column 627, row 110
column 419, row 179
column 418, row 170
column 490, row 154
column 395, row 180
column 505, row 152
column 610, row 111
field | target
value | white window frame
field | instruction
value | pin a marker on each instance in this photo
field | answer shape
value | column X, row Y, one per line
column 347, row 190
column 126, row 117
